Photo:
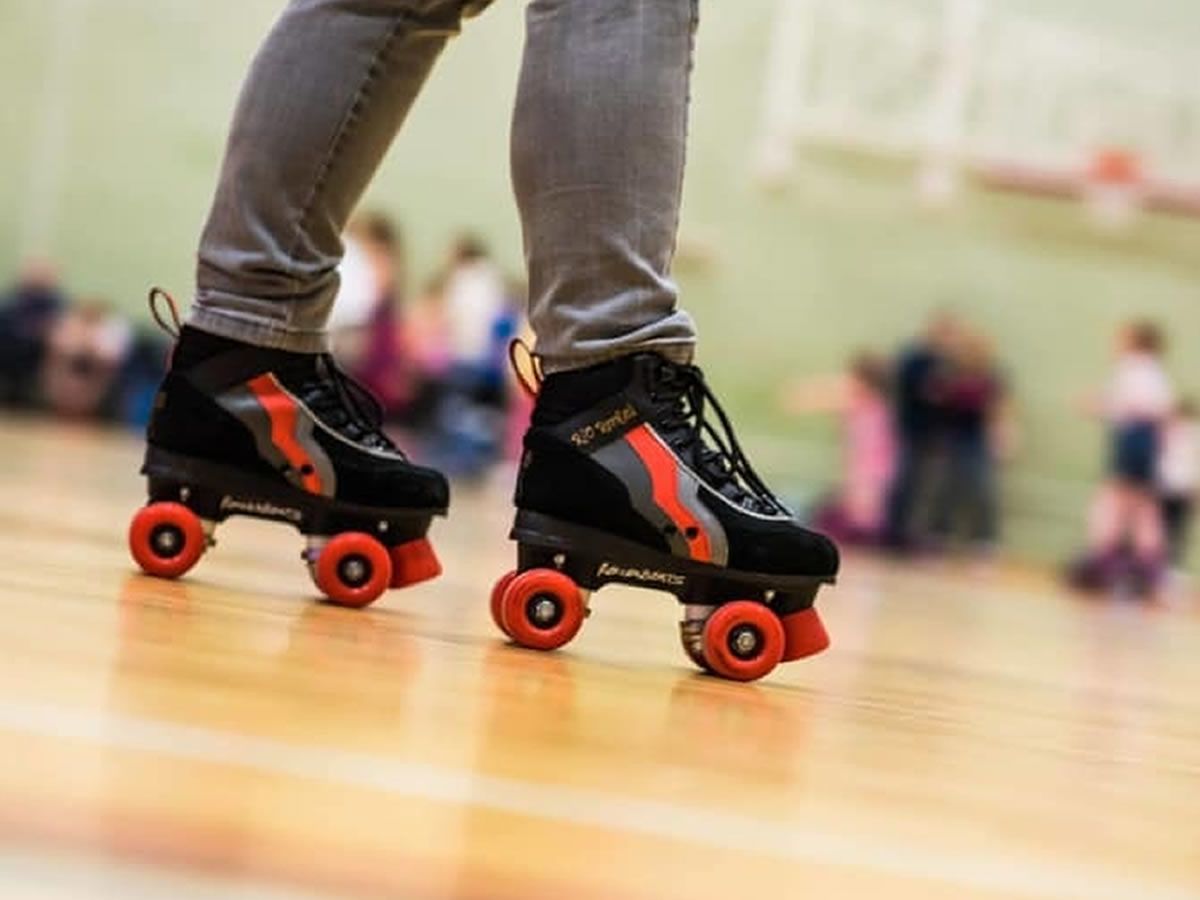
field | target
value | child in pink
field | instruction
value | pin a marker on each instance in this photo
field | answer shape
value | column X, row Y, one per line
column 860, row 397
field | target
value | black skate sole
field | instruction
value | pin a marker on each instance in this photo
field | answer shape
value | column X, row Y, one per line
column 594, row 558
column 216, row 492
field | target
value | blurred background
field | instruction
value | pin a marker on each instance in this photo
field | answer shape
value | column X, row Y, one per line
column 946, row 242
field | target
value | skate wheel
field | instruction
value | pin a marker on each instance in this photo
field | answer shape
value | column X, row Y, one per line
column 541, row 609
column 353, row 569
column 413, row 563
column 804, row 634
column 498, row 590
column 699, row 661
column 743, row 640
column 166, row 539
column 691, row 639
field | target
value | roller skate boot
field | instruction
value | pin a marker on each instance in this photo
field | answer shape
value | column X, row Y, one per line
column 626, row 478
column 271, row 434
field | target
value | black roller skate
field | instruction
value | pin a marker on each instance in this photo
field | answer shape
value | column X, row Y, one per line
column 242, row 430
column 625, row 480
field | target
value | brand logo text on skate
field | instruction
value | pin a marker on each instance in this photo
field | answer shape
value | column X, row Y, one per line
column 260, row 508
column 584, row 436
column 649, row 576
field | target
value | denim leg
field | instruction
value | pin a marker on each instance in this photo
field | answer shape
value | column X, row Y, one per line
column 598, row 140
column 325, row 96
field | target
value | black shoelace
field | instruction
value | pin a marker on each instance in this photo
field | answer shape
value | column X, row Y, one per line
column 683, row 396
column 333, row 396
column 345, row 406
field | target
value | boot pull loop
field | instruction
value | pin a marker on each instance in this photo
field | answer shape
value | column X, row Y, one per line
column 174, row 326
column 532, row 382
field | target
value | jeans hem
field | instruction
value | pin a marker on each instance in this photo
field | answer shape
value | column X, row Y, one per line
column 677, row 351
column 268, row 335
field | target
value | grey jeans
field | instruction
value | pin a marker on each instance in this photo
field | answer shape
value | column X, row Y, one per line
column 598, row 141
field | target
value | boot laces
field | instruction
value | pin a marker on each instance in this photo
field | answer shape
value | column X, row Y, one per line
column 334, row 397
column 684, row 397
column 346, row 406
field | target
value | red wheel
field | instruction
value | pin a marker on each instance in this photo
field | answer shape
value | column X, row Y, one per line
column 166, row 539
column 542, row 609
column 353, row 569
column 743, row 640
column 501, row 586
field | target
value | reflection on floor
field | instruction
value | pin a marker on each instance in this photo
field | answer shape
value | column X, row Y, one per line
column 970, row 734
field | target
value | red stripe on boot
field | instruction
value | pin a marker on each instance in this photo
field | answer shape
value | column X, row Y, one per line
column 281, row 409
column 664, row 480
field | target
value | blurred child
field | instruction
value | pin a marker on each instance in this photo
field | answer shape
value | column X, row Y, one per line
column 1179, row 477
column 366, row 325
column 426, row 347
column 860, row 397
column 971, row 395
column 85, row 349
column 1125, row 531
column 480, row 315
column 429, row 330
column 383, row 367
column 920, row 426
column 27, row 313
column 475, row 296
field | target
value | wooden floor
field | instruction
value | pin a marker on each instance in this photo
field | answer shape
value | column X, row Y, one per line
column 970, row 734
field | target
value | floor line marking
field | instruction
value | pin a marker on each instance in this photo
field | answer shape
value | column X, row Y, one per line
column 719, row 830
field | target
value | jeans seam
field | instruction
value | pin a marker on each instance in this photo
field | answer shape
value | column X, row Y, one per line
column 352, row 116
column 693, row 26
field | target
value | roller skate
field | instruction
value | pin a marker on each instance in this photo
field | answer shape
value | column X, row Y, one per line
column 271, row 434
column 624, row 479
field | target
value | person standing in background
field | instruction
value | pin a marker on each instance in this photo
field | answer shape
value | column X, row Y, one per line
column 971, row 395
column 919, row 422
column 380, row 362
column 86, row 347
column 469, row 424
column 1125, row 528
column 28, row 312
column 476, row 298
